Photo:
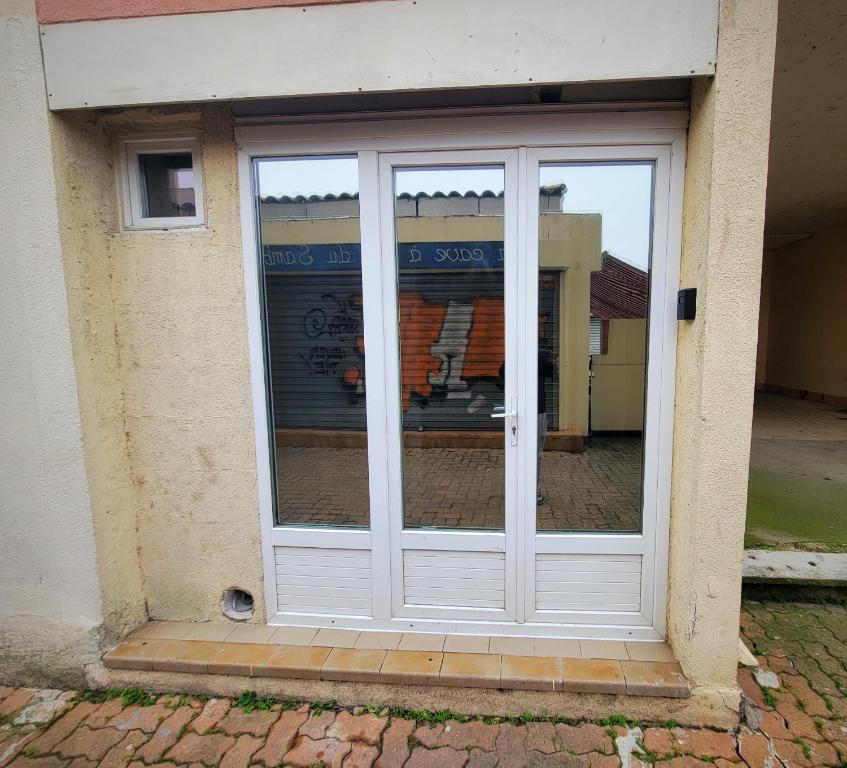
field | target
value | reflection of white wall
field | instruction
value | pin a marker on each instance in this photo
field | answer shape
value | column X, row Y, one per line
column 617, row 387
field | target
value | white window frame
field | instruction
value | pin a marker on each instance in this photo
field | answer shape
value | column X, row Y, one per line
column 130, row 177
column 657, row 134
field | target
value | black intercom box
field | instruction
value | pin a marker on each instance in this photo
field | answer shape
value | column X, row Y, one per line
column 686, row 304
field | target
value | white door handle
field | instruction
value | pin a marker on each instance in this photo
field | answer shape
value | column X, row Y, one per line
column 503, row 415
column 500, row 413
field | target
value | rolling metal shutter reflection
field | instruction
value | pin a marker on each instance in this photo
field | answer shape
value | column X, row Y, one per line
column 450, row 324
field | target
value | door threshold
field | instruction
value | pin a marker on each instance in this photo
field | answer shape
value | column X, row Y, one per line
column 532, row 664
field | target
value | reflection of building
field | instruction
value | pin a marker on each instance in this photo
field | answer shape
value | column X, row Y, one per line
column 451, row 317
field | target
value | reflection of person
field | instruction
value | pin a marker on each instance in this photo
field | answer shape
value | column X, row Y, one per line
column 546, row 370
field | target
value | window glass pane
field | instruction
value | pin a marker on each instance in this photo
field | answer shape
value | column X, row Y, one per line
column 593, row 300
column 167, row 185
column 449, row 224
column 312, row 267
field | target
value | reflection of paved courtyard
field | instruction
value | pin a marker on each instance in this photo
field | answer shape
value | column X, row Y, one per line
column 598, row 490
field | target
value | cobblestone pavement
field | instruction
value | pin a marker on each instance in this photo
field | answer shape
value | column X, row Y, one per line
column 597, row 490
column 801, row 722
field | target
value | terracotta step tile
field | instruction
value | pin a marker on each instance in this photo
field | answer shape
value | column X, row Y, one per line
column 421, row 641
column 251, row 633
column 553, row 646
column 379, row 641
column 414, row 667
column 294, row 635
column 210, row 631
column 533, row 673
column 135, row 654
column 238, row 658
column 466, row 644
column 329, row 637
column 470, row 670
column 162, row 630
column 353, row 665
column 593, row 676
column 649, row 651
column 603, row 649
column 655, row 678
column 297, row 661
column 184, row 656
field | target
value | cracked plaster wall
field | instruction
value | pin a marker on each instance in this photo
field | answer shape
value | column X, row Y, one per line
column 723, row 220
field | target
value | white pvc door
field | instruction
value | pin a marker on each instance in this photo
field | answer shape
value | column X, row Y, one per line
column 450, row 272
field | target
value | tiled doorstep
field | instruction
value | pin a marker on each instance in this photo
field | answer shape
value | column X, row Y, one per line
column 635, row 678
column 331, row 637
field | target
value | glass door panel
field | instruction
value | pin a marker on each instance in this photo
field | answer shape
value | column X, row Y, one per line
column 314, row 340
column 593, row 295
column 449, row 228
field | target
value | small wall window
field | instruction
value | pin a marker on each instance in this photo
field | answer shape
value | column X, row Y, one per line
column 162, row 183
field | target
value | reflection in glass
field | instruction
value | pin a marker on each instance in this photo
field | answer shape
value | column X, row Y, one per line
column 167, row 185
column 312, row 279
column 449, row 224
column 593, row 283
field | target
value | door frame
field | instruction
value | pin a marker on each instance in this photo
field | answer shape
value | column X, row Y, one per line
column 450, row 540
column 658, row 129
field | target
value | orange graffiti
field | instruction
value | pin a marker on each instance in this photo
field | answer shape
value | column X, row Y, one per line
column 420, row 326
column 485, row 353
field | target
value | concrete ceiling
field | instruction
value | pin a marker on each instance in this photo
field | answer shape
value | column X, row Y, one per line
column 807, row 181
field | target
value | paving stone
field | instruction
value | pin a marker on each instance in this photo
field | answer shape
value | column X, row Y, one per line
column 750, row 688
column 81, row 762
column 813, row 703
column 241, row 752
column 792, row 754
column 63, row 727
column 395, row 744
column 773, row 726
column 104, row 713
column 13, row 745
column 755, row 750
column 540, row 737
column 361, row 756
column 797, row 721
column 511, row 746
column 256, row 723
column 16, row 700
column 367, row 727
column 91, row 744
column 281, row 737
column 202, row 749
column 478, row 758
column 766, row 679
column 49, row 761
column 145, row 719
column 441, row 757
column 699, row 742
column 583, row 738
column 556, row 760
column 596, row 760
column 316, row 724
column 166, row 735
column 214, row 710
column 45, row 706
column 308, row 753
column 122, row 752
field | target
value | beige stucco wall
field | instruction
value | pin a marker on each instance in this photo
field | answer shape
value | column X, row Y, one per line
column 764, row 320
column 51, row 610
column 716, row 353
column 159, row 326
column 807, row 331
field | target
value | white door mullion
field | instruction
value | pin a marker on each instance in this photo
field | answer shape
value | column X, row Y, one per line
column 512, row 312
column 390, row 351
column 529, row 345
column 372, row 310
